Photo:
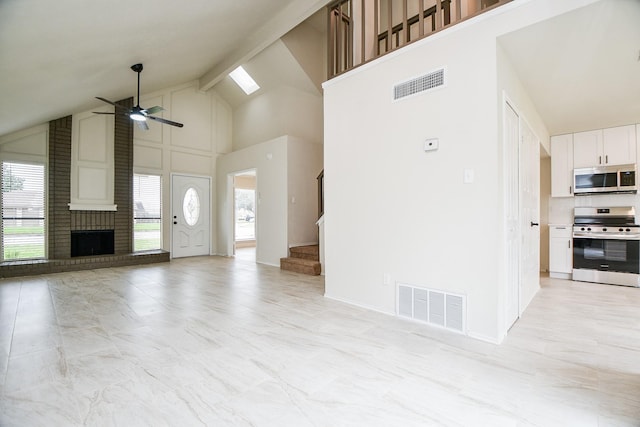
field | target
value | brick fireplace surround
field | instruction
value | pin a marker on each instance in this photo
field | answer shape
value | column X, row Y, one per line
column 61, row 220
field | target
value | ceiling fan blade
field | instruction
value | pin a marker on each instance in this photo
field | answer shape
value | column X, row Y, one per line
column 142, row 125
column 122, row 107
column 165, row 121
column 154, row 110
column 101, row 112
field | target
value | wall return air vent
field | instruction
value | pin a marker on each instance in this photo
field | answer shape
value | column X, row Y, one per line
column 420, row 84
column 437, row 308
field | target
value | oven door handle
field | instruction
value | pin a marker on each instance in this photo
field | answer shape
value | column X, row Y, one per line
column 605, row 236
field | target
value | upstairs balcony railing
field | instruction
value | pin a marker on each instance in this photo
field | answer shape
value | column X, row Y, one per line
column 363, row 30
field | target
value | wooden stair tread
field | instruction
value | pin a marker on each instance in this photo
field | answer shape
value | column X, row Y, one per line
column 310, row 252
column 300, row 265
column 300, row 261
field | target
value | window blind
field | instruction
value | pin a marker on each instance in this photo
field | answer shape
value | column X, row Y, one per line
column 147, row 212
column 23, row 211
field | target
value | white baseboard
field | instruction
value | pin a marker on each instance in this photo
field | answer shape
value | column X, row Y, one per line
column 356, row 304
column 481, row 337
column 267, row 263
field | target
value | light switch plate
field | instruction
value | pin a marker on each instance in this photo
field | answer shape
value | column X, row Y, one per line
column 469, row 176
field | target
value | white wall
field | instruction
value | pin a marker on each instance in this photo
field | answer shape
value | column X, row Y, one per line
column 283, row 110
column 308, row 47
column 269, row 159
column 28, row 145
column 511, row 89
column 286, row 195
column 393, row 209
column 545, row 197
column 390, row 207
column 304, row 166
column 192, row 150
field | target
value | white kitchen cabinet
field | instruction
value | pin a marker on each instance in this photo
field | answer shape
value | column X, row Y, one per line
column 619, row 145
column 587, row 149
column 605, row 147
column 560, row 251
column 562, row 165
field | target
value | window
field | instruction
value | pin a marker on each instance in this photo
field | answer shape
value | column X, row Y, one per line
column 23, row 211
column 244, row 80
column 147, row 212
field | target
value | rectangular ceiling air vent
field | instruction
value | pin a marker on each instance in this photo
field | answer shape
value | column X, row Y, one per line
column 419, row 84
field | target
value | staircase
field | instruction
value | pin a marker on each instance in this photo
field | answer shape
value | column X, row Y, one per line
column 302, row 259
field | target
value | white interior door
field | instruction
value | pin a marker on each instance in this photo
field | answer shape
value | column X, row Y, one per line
column 191, row 232
column 512, row 217
column 529, row 214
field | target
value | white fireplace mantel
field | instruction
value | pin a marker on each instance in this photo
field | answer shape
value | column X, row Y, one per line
column 92, row 207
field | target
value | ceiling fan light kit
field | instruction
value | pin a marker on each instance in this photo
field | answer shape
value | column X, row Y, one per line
column 137, row 113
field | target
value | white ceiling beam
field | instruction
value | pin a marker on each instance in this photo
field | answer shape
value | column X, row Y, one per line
column 256, row 42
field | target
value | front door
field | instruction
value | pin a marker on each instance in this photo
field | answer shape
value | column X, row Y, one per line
column 191, row 233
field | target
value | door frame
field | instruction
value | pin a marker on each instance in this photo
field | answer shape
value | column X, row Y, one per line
column 171, row 210
column 512, row 233
column 509, row 103
column 233, row 207
column 231, row 202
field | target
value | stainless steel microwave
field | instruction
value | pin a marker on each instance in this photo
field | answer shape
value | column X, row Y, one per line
column 605, row 179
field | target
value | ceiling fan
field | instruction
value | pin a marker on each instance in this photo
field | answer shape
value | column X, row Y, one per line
column 137, row 113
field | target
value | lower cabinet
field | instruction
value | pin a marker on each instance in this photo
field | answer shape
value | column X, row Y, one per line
column 560, row 251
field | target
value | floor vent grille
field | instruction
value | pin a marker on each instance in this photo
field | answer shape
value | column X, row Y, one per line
column 419, row 84
column 434, row 307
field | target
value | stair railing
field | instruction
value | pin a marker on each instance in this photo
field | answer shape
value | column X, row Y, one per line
column 320, row 194
column 360, row 31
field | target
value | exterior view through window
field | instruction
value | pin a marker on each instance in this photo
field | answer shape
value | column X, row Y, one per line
column 23, row 211
column 245, row 214
column 147, row 212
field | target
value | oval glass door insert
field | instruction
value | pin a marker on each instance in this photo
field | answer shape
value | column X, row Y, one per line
column 191, row 206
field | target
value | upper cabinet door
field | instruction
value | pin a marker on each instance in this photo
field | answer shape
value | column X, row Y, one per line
column 587, row 149
column 562, row 166
column 620, row 145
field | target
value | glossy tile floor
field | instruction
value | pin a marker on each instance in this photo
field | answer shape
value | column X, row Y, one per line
column 226, row 342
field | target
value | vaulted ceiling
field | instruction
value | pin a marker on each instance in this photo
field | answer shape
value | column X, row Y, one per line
column 56, row 56
column 582, row 69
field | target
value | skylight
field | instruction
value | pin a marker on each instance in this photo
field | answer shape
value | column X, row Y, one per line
column 244, row 80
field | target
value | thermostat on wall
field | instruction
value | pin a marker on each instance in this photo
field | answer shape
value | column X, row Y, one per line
column 431, row 144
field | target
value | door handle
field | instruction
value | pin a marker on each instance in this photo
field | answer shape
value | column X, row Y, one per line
column 533, row 224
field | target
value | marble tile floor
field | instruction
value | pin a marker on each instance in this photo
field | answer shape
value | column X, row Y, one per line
column 227, row 342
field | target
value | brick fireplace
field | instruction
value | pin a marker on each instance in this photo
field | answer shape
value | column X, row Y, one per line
column 62, row 221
